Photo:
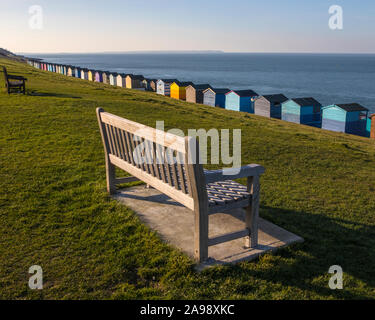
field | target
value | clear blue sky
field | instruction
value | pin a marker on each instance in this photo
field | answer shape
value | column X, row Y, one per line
column 233, row 26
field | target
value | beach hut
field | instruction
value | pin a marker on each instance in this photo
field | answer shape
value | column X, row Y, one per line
column 105, row 77
column 240, row 100
column 302, row 110
column 113, row 79
column 134, row 81
column 70, row 71
column 215, row 97
column 91, row 75
column 77, row 72
column 84, row 74
column 178, row 89
column 269, row 105
column 163, row 86
column 194, row 92
column 146, row 84
column 349, row 118
column 121, row 80
column 370, row 129
column 152, row 85
column 98, row 76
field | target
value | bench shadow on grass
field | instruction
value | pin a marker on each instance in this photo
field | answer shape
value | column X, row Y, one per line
column 328, row 241
column 51, row 94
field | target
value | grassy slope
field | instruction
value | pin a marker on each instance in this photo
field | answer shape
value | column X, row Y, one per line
column 54, row 210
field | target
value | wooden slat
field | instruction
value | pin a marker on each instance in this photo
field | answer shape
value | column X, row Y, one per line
column 167, row 169
column 159, row 151
column 129, row 145
column 108, row 137
column 149, row 157
column 156, row 168
column 148, row 133
column 228, row 237
column 173, row 169
column 114, row 141
column 180, row 170
column 135, row 152
column 125, row 146
column 118, row 143
column 171, row 192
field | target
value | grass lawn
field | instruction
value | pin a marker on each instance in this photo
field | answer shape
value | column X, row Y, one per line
column 55, row 212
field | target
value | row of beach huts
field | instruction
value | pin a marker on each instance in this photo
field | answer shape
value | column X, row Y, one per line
column 349, row 118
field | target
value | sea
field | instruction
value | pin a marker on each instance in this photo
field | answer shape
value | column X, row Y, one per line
column 329, row 78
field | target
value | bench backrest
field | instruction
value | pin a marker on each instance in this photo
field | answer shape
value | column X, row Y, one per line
column 167, row 162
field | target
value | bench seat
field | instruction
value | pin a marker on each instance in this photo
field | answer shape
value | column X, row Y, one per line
column 225, row 192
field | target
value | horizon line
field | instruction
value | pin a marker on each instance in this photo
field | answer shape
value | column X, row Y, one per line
column 197, row 52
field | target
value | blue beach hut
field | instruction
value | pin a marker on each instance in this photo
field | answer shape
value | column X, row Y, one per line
column 215, row 97
column 370, row 128
column 240, row 100
column 302, row 110
column 349, row 118
column 77, row 72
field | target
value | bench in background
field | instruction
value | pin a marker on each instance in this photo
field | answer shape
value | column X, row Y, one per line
column 14, row 82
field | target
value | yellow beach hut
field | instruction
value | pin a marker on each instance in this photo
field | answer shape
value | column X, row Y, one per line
column 91, row 75
column 70, row 71
column 134, row 81
column 178, row 89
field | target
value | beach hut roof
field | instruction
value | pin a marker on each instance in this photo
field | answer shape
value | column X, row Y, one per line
column 372, row 115
column 275, row 98
column 351, row 107
column 306, row 101
column 244, row 93
column 169, row 80
column 184, row 84
column 200, row 86
column 218, row 90
column 136, row 76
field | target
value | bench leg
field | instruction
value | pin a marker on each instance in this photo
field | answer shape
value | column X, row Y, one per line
column 201, row 234
column 111, row 177
column 252, row 212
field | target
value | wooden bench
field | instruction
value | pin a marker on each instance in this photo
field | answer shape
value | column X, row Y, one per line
column 14, row 82
column 205, row 192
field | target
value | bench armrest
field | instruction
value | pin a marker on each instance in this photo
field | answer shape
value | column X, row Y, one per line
column 16, row 77
column 249, row 170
